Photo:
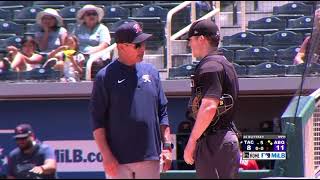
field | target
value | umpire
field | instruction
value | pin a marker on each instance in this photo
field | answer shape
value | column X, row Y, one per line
column 213, row 145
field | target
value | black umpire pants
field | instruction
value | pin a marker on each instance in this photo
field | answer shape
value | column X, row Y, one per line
column 218, row 156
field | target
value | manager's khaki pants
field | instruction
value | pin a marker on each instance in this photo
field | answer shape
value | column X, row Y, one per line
column 138, row 170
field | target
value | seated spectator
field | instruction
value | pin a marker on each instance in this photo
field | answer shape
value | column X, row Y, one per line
column 94, row 37
column 25, row 59
column 52, row 34
column 301, row 55
column 70, row 60
column 31, row 159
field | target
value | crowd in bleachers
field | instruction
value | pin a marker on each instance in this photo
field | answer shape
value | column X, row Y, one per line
column 49, row 23
column 268, row 47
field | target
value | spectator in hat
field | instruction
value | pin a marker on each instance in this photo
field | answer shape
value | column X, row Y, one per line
column 94, row 37
column 52, row 33
column 31, row 159
column 129, row 111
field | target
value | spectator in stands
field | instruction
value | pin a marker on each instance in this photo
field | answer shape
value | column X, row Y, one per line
column 301, row 55
column 52, row 34
column 31, row 159
column 25, row 59
column 70, row 60
column 94, row 37
column 129, row 111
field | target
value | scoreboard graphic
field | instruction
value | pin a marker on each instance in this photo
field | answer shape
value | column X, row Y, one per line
column 263, row 147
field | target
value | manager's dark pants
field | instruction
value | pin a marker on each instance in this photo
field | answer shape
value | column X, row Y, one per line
column 218, row 156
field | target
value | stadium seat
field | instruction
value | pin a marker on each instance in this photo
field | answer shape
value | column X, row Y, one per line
column 151, row 11
column 292, row 10
column 301, row 25
column 254, row 55
column 69, row 14
column 31, row 29
column 282, row 40
column 14, row 5
column 51, row 4
column 313, row 69
column 266, row 69
column 98, row 3
column 8, row 75
column 41, row 74
column 286, row 56
column 229, row 54
column 240, row 69
column 11, row 41
column 116, row 12
column 26, row 15
column 241, row 40
column 5, row 15
column 183, row 71
column 9, row 29
column 266, row 25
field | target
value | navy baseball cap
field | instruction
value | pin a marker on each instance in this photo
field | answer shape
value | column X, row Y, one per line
column 22, row 131
column 130, row 32
column 204, row 27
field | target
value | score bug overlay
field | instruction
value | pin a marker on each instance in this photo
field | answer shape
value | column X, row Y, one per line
column 263, row 146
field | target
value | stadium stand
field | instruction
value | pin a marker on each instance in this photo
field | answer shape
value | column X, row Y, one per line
column 266, row 25
column 69, row 14
column 282, row 40
column 292, row 10
column 254, row 55
column 286, row 56
column 51, row 4
column 26, row 15
column 267, row 68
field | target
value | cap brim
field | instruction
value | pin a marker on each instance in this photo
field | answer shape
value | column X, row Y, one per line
column 141, row 38
column 21, row 136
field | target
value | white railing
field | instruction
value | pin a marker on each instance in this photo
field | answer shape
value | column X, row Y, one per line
column 95, row 57
column 169, row 28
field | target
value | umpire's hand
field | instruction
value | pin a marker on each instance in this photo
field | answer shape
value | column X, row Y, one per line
column 189, row 152
column 110, row 165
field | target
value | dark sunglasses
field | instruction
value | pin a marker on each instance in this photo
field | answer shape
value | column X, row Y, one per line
column 92, row 14
column 136, row 46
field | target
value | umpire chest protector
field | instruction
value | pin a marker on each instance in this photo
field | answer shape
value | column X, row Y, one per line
column 199, row 88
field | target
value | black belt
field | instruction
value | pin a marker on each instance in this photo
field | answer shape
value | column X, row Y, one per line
column 213, row 130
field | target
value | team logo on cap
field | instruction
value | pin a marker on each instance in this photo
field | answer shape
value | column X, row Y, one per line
column 137, row 28
column 146, row 78
column 19, row 130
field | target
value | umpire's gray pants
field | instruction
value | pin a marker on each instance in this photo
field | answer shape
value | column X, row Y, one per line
column 218, row 156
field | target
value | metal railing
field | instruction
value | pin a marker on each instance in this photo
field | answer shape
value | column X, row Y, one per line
column 95, row 57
